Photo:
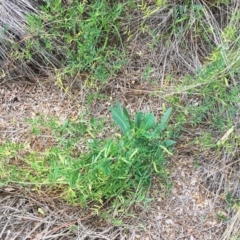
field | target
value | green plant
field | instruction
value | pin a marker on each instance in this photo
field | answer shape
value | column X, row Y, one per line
column 121, row 168
column 197, row 165
column 72, row 38
column 118, row 169
column 147, row 73
column 142, row 125
column 214, row 90
column 222, row 216
column 93, row 97
column 231, row 201
column 8, row 153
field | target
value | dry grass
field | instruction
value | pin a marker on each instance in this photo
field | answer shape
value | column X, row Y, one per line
column 14, row 30
column 171, row 49
column 233, row 230
column 46, row 217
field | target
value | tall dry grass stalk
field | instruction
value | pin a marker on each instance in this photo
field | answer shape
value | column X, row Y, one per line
column 13, row 28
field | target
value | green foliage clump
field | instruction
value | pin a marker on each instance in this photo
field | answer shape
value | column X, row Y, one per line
column 119, row 168
column 74, row 37
column 212, row 95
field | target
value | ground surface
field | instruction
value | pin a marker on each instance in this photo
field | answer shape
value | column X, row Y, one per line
column 189, row 211
column 195, row 207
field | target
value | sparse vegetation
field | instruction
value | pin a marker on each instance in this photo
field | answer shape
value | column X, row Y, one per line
column 69, row 40
column 116, row 169
column 153, row 56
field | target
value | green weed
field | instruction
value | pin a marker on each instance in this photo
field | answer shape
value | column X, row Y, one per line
column 214, row 91
column 8, row 153
column 147, row 73
column 231, row 201
column 74, row 37
column 118, row 169
column 222, row 216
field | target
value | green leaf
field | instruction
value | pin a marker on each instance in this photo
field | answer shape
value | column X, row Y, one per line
column 138, row 119
column 126, row 113
column 148, row 121
column 163, row 122
column 169, row 143
column 121, row 118
column 150, row 135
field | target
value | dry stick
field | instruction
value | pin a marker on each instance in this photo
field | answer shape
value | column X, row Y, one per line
column 218, row 170
column 161, row 91
column 76, row 221
column 233, row 228
column 71, row 223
